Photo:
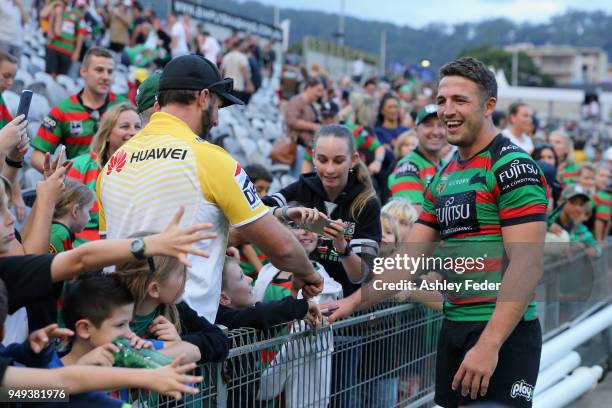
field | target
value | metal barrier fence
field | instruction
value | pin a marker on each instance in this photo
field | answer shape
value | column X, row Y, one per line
column 384, row 357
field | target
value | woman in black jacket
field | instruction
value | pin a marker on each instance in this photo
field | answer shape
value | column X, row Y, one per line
column 339, row 190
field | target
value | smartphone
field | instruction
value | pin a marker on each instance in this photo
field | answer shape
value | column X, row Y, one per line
column 318, row 226
column 328, row 311
column 24, row 103
column 61, row 156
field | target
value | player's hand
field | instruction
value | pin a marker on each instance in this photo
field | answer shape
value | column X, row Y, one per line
column 164, row 330
column 476, row 370
column 311, row 285
column 100, row 356
column 304, row 215
column 177, row 241
column 171, row 380
column 41, row 338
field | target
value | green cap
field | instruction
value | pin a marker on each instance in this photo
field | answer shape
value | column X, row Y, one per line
column 147, row 92
column 575, row 190
column 425, row 112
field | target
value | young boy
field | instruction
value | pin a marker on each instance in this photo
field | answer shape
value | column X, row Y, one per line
column 169, row 380
column 238, row 308
column 251, row 257
column 603, row 203
column 98, row 308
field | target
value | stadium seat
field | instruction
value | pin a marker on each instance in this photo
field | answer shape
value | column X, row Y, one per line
column 36, row 64
column 39, row 108
column 12, row 101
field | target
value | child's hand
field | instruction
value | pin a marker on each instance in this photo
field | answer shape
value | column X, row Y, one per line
column 164, row 330
column 41, row 338
column 139, row 343
column 171, row 379
column 313, row 317
column 335, row 232
column 100, row 356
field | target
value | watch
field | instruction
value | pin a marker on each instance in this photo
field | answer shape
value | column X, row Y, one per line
column 137, row 248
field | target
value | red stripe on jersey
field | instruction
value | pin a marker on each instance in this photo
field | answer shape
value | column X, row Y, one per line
column 91, row 175
column 428, row 218
column 367, row 143
column 47, row 136
column 74, row 116
column 506, row 213
column 238, row 168
column 407, row 185
column 484, row 197
column 89, row 234
column 4, row 113
column 79, row 140
column 95, row 207
column 489, row 265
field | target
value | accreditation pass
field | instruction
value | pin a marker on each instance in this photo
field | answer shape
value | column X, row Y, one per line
column 33, row 395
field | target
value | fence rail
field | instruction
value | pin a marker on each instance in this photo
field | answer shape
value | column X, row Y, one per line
column 384, row 357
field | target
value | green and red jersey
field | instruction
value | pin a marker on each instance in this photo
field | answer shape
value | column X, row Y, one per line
column 5, row 115
column 569, row 175
column 71, row 124
column 85, row 170
column 73, row 25
column 248, row 267
column 61, row 240
column 411, row 176
column 470, row 202
column 603, row 205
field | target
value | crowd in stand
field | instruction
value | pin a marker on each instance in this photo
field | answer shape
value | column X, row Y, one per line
column 364, row 150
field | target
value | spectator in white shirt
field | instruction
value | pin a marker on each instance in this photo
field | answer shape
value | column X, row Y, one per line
column 209, row 46
column 520, row 120
column 13, row 17
column 235, row 64
column 178, row 32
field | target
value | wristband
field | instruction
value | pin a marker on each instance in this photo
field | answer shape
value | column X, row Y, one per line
column 14, row 163
column 347, row 251
column 284, row 215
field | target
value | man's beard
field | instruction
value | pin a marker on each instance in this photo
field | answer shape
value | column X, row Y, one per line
column 206, row 123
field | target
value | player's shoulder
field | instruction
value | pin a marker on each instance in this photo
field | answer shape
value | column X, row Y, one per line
column 503, row 151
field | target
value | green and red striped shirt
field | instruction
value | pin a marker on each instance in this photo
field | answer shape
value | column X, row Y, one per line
column 470, row 202
column 73, row 25
column 248, row 267
column 569, row 175
column 411, row 176
column 60, row 241
column 603, row 205
column 5, row 115
column 70, row 123
column 85, row 170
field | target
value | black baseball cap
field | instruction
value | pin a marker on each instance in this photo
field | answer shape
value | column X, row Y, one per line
column 194, row 72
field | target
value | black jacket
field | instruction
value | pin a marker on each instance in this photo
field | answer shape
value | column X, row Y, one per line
column 363, row 234
column 213, row 344
column 263, row 315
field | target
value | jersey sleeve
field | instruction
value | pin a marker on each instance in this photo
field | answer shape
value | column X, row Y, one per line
column 406, row 182
column 519, row 187
column 428, row 211
column 50, row 132
column 227, row 185
column 367, row 230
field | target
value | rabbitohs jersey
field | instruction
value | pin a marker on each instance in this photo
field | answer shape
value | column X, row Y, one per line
column 469, row 202
column 410, row 177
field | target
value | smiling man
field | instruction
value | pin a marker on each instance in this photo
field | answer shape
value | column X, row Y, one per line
column 490, row 195
column 74, row 121
column 413, row 172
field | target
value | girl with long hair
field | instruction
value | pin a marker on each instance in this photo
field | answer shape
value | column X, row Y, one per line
column 118, row 125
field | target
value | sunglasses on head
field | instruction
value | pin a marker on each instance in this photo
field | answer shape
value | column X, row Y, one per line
column 225, row 85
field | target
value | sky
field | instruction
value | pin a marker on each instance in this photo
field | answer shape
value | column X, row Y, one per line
column 418, row 13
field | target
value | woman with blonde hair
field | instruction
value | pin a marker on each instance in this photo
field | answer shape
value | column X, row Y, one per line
column 567, row 172
column 117, row 126
column 405, row 144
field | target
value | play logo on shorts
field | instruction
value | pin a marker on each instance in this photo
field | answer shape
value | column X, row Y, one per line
column 521, row 389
